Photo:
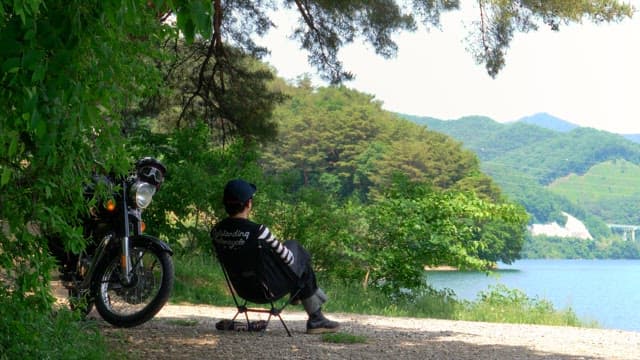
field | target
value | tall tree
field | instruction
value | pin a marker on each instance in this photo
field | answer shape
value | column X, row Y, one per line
column 228, row 30
column 233, row 97
column 326, row 26
column 341, row 133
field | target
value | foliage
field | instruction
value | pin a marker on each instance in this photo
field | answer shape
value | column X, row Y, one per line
column 470, row 230
column 501, row 304
column 199, row 280
column 199, row 89
column 324, row 226
column 584, row 172
column 478, row 133
column 189, row 202
column 28, row 334
column 414, row 225
column 77, row 83
column 499, row 20
column 67, row 70
column 575, row 152
column 550, row 247
column 340, row 136
column 324, row 27
column 324, row 131
column 498, row 304
column 417, row 226
column 536, row 153
column 503, row 238
column 543, row 205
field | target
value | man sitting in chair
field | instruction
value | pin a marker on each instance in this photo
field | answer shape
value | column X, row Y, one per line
column 237, row 230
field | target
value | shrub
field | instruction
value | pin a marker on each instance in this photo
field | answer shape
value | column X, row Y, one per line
column 29, row 334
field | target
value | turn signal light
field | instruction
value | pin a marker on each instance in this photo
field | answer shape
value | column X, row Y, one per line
column 110, row 205
column 143, row 226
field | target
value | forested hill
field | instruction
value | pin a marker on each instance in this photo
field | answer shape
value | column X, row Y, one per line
column 548, row 121
column 528, row 161
column 342, row 141
column 541, row 154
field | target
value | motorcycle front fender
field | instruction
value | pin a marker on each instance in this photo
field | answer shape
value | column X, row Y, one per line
column 151, row 242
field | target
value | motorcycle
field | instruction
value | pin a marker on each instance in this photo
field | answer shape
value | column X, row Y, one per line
column 125, row 273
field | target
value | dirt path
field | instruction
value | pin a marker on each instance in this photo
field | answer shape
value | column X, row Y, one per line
column 188, row 332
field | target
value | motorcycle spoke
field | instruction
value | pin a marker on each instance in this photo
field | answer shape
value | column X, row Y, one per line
column 125, row 299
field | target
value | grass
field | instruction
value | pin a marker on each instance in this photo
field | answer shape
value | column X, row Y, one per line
column 501, row 304
column 184, row 322
column 29, row 334
column 343, row 338
column 200, row 280
column 605, row 181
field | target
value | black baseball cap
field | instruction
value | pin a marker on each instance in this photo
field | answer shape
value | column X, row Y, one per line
column 238, row 191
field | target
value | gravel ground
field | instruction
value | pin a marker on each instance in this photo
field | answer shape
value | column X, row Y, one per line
column 188, row 332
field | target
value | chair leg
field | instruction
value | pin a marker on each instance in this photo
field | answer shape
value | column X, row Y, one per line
column 235, row 316
column 276, row 312
column 285, row 325
column 246, row 316
column 243, row 309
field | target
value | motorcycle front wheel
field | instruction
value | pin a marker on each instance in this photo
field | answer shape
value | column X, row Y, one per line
column 127, row 305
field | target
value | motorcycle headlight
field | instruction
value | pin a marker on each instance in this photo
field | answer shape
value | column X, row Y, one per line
column 143, row 193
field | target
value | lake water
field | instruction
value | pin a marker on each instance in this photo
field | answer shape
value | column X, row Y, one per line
column 607, row 291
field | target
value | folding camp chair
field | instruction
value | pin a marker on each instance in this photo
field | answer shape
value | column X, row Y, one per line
column 255, row 274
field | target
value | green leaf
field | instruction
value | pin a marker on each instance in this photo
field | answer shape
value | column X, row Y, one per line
column 11, row 65
column 33, row 59
column 6, row 176
column 201, row 17
column 38, row 74
column 185, row 24
column 13, row 147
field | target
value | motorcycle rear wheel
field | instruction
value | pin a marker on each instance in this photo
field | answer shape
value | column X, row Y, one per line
column 128, row 305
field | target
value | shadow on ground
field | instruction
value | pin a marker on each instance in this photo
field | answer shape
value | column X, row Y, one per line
column 195, row 337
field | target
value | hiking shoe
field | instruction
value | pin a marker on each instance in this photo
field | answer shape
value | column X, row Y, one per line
column 318, row 324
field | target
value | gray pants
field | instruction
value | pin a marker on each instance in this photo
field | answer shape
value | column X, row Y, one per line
column 311, row 296
column 314, row 302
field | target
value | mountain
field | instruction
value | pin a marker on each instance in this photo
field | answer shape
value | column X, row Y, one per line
column 633, row 137
column 574, row 152
column 529, row 157
column 547, row 121
column 551, row 122
column 487, row 137
column 541, row 154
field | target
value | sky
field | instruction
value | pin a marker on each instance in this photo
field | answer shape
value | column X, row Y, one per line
column 586, row 74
